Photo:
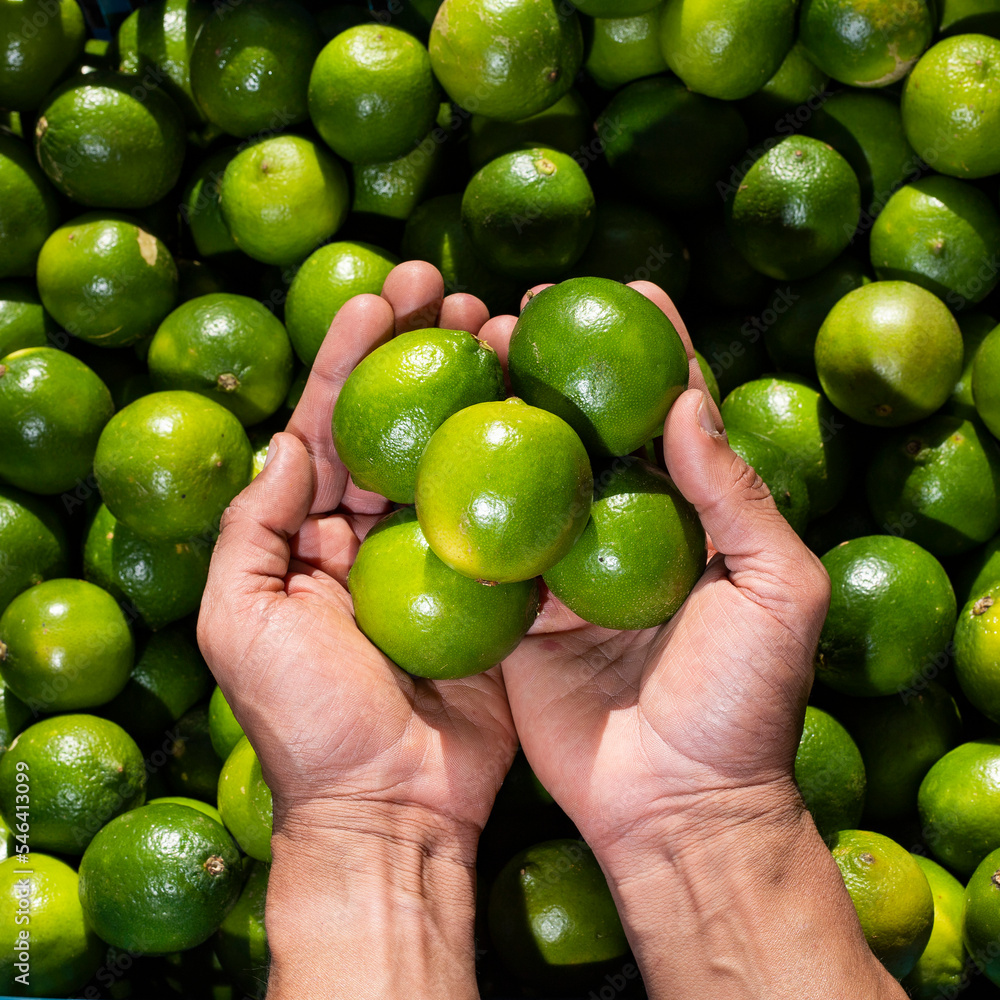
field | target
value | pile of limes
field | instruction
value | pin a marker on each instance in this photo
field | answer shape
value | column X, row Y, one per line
column 185, row 207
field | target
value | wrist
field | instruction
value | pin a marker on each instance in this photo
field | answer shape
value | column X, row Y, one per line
column 350, row 884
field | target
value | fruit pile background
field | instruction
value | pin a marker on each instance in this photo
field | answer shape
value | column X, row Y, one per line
column 184, row 208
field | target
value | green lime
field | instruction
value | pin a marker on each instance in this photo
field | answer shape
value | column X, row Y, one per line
column 939, row 481
column 732, row 346
column 41, row 42
column 632, row 244
column 981, row 916
column 406, row 601
column 158, row 582
column 986, row 382
column 798, row 311
column 170, row 463
column 940, row 970
column 399, row 395
column 959, row 803
column 82, row 771
column 962, row 17
column 892, row 610
column 642, row 551
column 229, row 348
column 326, row 280
column 14, row 716
column 372, row 95
column 65, row 645
column 937, row 232
column 505, row 59
column 977, row 571
column 154, row 43
column 794, row 415
column 283, row 196
column 106, row 280
column 866, row 128
column 874, row 348
column 47, row 947
column 106, row 142
column 704, row 136
column 32, row 542
column 193, row 766
column 830, row 773
column 900, row 738
column 245, row 801
column 866, row 43
column 241, row 940
column 180, row 800
column 565, row 126
column 724, row 48
column 552, row 917
column 250, row 66
column 772, row 464
column 975, row 327
column 615, row 406
column 52, row 411
column 789, row 96
column 159, row 879
column 529, row 213
column 168, row 678
column 977, row 652
column 951, row 106
column 625, row 48
column 28, row 210
column 891, row 895
column 23, row 319
column 796, row 209
column 394, row 188
column 200, row 208
column 721, row 275
column 224, row 731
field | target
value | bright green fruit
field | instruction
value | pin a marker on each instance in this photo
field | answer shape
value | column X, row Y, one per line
column 28, row 209
column 200, row 207
column 159, row 879
column 961, row 17
column 106, row 280
column 794, row 415
column 250, row 65
column 368, row 60
column 40, row 42
column 830, row 773
column 33, row 542
column 65, row 645
column 977, row 652
column 939, row 483
column 892, row 611
column 23, row 319
column 977, row 571
column 325, row 281
column 951, row 106
column 625, row 48
column 241, row 940
column 724, row 49
column 959, row 804
column 798, row 81
column 407, row 602
column 986, row 382
column 169, row 464
column 229, row 348
column 981, row 916
column 772, row 464
column 39, row 898
column 900, row 738
column 399, row 395
column 394, row 188
column 937, row 232
column 641, row 553
column 796, row 209
column 505, row 59
column 224, row 731
column 552, row 917
column 245, row 801
column 106, row 143
column 281, row 197
column 703, row 135
column 873, row 349
column 891, row 895
column 82, row 771
column 621, row 404
column 180, row 800
column 529, row 213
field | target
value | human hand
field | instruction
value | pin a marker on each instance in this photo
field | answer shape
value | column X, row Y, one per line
column 387, row 778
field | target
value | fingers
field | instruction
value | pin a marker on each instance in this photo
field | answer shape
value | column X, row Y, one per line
column 361, row 325
column 328, row 543
column 463, row 312
column 415, row 290
column 534, row 290
column 252, row 554
column 496, row 332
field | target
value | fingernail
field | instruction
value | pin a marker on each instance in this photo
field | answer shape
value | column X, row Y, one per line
column 707, row 419
column 272, row 450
